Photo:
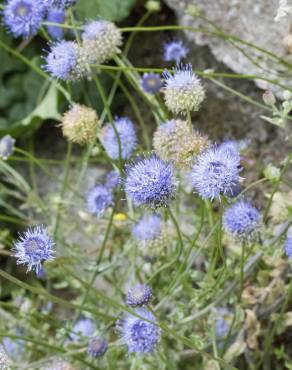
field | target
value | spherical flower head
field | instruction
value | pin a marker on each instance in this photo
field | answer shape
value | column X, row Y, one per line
column 127, row 136
column 175, row 51
column 147, row 228
column 183, row 91
column 176, row 142
column 80, row 124
column 4, row 360
column 288, row 247
column 140, row 336
column 33, row 247
column 66, row 61
column 56, row 15
column 83, row 328
column 101, row 41
column 241, row 219
column 215, row 173
column 23, row 17
column 97, row 347
column 150, row 182
column 99, row 198
column 139, row 295
column 112, row 179
column 151, row 83
column 6, row 146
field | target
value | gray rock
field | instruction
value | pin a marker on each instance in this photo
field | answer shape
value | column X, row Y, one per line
column 253, row 22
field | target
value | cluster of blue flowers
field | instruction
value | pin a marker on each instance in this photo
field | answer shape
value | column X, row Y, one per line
column 139, row 331
column 150, row 181
column 25, row 17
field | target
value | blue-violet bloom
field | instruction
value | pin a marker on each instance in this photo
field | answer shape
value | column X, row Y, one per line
column 33, row 247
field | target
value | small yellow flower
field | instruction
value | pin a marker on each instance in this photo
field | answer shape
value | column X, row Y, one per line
column 120, row 217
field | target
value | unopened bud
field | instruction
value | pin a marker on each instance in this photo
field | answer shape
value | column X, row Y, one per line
column 269, row 98
column 153, row 6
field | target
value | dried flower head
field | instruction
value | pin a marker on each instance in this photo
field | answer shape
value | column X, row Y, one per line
column 241, row 219
column 56, row 15
column 80, row 124
column 175, row 51
column 33, row 247
column 176, row 142
column 140, row 336
column 99, row 198
column 6, row 146
column 151, row 83
column 23, row 17
column 139, row 295
column 183, row 90
column 150, row 182
column 127, row 136
column 101, row 41
column 216, row 172
column 97, row 347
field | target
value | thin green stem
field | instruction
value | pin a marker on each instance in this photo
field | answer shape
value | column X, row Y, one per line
column 242, row 257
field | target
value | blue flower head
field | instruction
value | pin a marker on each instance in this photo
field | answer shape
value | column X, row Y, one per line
column 215, row 173
column 6, row 146
column 139, row 295
column 151, row 83
column 33, row 247
column 23, row 17
column 140, row 336
column 112, row 179
column 56, row 15
column 241, row 219
column 183, row 91
column 147, row 228
column 175, row 51
column 83, row 328
column 288, row 247
column 127, row 135
column 97, row 347
column 62, row 60
column 150, row 182
column 99, row 198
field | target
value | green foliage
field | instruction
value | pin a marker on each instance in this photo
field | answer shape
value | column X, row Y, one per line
column 112, row 10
